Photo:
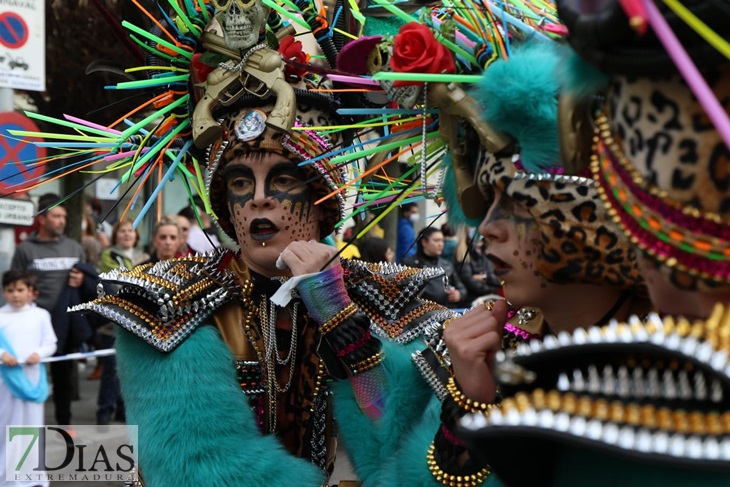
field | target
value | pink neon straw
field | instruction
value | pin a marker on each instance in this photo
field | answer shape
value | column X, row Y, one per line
column 121, row 155
column 689, row 71
column 93, row 125
column 353, row 80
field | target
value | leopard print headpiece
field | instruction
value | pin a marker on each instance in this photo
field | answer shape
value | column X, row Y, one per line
column 579, row 242
column 665, row 171
column 245, row 131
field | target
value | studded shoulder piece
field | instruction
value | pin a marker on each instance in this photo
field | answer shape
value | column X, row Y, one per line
column 163, row 303
column 653, row 393
column 388, row 294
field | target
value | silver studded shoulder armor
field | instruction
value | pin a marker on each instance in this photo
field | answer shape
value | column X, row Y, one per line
column 388, row 294
column 162, row 303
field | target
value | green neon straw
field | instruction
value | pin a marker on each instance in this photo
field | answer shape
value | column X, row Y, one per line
column 367, row 206
column 156, row 39
column 201, row 184
column 52, row 136
column 154, row 51
column 135, row 128
column 130, row 85
column 430, row 150
column 291, row 5
column 66, row 123
column 285, row 13
column 176, row 7
column 355, row 11
column 381, row 148
column 427, row 77
column 143, row 160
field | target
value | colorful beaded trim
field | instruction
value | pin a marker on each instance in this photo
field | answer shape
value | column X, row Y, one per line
column 688, row 239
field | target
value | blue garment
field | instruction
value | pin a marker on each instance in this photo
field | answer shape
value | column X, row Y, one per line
column 406, row 243
column 18, row 383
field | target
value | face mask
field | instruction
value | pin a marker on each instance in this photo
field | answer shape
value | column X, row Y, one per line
column 414, row 217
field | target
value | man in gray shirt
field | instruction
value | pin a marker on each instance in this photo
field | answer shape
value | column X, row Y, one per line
column 50, row 255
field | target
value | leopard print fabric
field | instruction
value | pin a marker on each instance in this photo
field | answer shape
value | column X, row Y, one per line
column 579, row 242
column 323, row 180
column 667, row 137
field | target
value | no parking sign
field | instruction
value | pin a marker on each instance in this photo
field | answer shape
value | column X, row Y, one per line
column 17, row 169
column 22, row 44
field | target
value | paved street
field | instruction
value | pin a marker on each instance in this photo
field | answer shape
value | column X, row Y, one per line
column 84, row 413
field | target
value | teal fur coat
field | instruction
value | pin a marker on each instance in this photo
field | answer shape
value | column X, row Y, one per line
column 197, row 428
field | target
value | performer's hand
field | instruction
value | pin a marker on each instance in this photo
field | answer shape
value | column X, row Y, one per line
column 473, row 340
column 33, row 359
column 8, row 359
column 75, row 278
column 309, row 257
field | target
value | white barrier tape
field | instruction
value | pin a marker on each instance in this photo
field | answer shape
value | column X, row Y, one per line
column 75, row 356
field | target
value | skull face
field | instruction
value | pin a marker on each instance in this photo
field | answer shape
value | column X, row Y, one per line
column 241, row 26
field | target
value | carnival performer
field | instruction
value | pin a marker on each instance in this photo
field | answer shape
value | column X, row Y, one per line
column 310, row 339
column 26, row 337
column 552, row 243
column 638, row 404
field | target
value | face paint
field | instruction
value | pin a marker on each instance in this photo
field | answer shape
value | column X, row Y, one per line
column 271, row 206
column 513, row 246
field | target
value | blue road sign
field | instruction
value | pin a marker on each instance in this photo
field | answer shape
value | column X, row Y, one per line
column 13, row 30
column 17, row 156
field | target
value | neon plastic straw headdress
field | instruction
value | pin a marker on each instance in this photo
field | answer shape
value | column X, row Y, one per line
column 393, row 95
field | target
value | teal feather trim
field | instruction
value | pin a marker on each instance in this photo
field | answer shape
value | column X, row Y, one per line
column 195, row 426
column 519, row 97
column 449, row 191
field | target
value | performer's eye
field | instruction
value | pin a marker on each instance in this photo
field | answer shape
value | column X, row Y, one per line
column 240, row 185
column 284, row 182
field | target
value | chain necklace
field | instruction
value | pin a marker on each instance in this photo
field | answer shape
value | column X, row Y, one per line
column 268, row 330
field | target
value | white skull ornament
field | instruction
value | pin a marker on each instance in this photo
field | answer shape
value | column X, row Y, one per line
column 242, row 21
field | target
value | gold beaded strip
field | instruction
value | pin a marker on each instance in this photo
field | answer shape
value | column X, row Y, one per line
column 644, row 415
column 454, row 480
column 368, row 363
column 464, row 402
column 337, row 319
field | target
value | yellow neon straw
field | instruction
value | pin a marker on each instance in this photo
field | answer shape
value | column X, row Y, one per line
column 700, row 27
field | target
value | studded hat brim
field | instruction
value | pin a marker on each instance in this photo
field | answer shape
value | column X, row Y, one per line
column 654, row 392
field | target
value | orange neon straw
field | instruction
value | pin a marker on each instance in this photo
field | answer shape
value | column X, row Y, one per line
column 134, row 196
column 61, row 175
column 159, row 195
column 497, row 35
column 129, row 114
column 157, row 23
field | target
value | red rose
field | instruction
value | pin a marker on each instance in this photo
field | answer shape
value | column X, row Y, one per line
column 416, row 50
column 291, row 50
column 200, row 69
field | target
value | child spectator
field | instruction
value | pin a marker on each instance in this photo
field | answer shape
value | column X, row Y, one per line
column 26, row 337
